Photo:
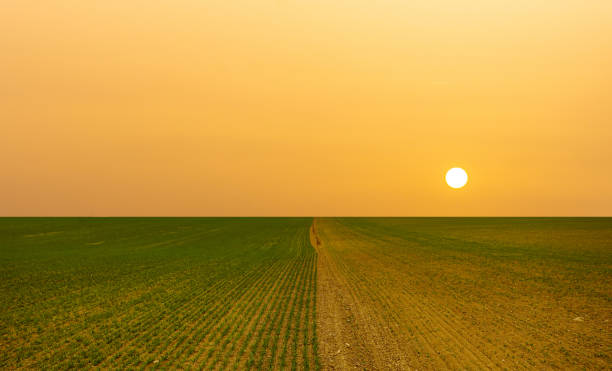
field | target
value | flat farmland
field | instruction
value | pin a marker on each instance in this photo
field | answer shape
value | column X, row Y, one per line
column 305, row 293
column 464, row 293
column 149, row 293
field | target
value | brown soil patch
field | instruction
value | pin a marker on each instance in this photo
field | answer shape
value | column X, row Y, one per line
column 420, row 301
column 350, row 333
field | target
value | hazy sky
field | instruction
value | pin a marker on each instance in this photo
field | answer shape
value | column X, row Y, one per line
column 313, row 107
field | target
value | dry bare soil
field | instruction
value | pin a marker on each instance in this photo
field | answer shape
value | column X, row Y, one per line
column 464, row 293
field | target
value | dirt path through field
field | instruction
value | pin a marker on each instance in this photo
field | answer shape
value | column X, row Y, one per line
column 350, row 334
column 334, row 315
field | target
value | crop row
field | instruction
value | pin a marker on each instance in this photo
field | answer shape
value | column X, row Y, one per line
column 158, row 293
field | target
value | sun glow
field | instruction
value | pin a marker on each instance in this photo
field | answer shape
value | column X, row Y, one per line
column 456, row 177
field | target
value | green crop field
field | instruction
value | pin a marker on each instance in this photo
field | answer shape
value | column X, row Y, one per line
column 304, row 293
column 171, row 293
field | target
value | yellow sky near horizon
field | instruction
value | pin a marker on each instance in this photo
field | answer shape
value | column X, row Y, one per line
column 190, row 107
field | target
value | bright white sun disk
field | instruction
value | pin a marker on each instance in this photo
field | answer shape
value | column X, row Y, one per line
column 456, row 177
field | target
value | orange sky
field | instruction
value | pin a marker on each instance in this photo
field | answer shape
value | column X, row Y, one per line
column 318, row 107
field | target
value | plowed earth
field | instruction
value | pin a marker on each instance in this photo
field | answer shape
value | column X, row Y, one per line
column 402, row 294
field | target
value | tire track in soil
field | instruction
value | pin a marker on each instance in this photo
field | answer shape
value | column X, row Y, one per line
column 347, row 336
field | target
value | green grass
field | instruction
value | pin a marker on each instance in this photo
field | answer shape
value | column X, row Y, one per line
column 155, row 292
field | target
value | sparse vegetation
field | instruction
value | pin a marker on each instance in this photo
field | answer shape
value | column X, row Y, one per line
column 465, row 293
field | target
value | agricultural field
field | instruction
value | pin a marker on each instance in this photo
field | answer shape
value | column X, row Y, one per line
column 306, row 294
column 148, row 293
column 464, row 293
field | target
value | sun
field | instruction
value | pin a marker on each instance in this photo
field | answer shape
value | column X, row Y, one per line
column 456, row 177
